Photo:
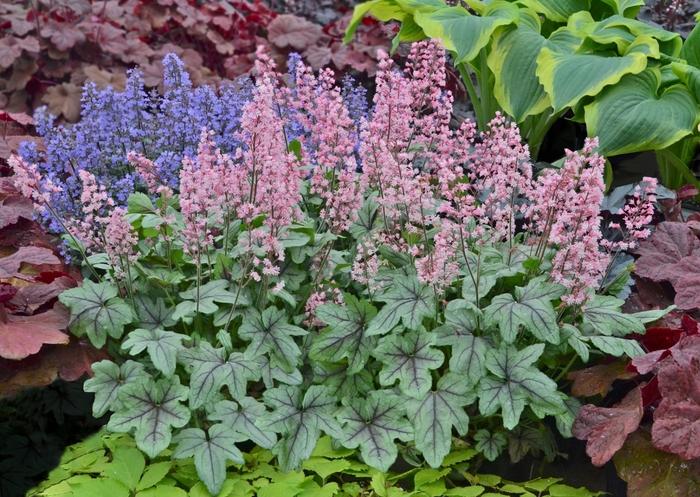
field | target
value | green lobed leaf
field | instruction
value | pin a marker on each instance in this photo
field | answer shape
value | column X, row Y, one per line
column 108, row 378
column 162, row 346
column 241, row 416
column 406, row 300
column 269, row 333
column 468, row 355
column 211, row 293
column 490, row 444
column 602, row 314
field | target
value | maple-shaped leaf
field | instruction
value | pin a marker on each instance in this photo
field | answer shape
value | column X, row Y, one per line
column 490, row 443
column 340, row 382
column 468, row 351
column 598, row 380
column 345, row 337
column 434, row 415
column 531, row 308
column 664, row 249
column 514, row 383
column 63, row 35
column 406, row 300
column 676, row 425
column 14, row 208
column 31, row 297
column 373, row 424
column 22, row 336
column 9, row 265
column 299, row 417
column 241, row 416
column 211, row 293
column 97, row 311
column 152, row 409
column 108, row 378
column 162, row 347
column 212, row 369
column 211, row 450
column 271, row 372
column 288, row 30
column 606, row 428
column 270, row 333
column 687, row 286
column 409, row 358
column 153, row 314
column 603, row 315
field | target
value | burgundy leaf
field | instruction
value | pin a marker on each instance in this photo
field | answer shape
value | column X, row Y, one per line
column 9, row 266
column 687, row 286
column 30, row 298
column 22, row 336
column 14, row 208
column 597, row 380
column 606, row 428
column 292, row 31
column 63, row 35
column 661, row 253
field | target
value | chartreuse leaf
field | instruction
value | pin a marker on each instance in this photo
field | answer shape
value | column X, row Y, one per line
column 434, row 415
column 384, row 10
column 409, row 358
column 269, row 333
column 531, row 308
column 211, row 293
column 468, row 351
column 557, row 10
column 299, row 417
column 626, row 8
column 152, row 409
column 345, row 337
column 162, row 347
column 462, row 33
column 567, row 76
column 211, row 450
column 212, row 369
column 406, row 300
column 602, row 314
column 108, row 378
column 513, row 61
column 637, row 114
column 373, row 423
column 514, row 383
column 126, row 467
column 241, row 417
column 97, row 311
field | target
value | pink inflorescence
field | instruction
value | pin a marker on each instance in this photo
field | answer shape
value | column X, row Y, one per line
column 636, row 214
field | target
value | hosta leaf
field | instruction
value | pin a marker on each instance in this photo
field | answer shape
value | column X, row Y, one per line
column 212, row 369
column 97, row 311
column 152, row 409
column 515, row 383
column 406, row 300
column 435, row 414
column 513, row 61
column 346, row 335
column 384, row 10
column 153, row 314
column 373, row 424
column 602, row 314
column 490, row 444
column 269, row 333
column 531, row 308
column 409, row 358
column 241, row 418
column 557, row 10
column 162, row 347
column 636, row 114
column 567, row 77
column 108, row 378
column 216, row 291
column 468, row 351
column 299, row 417
column 210, row 449
column 626, row 8
column 462, row 33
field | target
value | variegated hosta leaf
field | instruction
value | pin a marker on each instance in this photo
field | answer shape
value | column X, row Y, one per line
column 409, row 358
column 153, row 409
column 514, row 383
column 210, row 450
column 108, row 378
column 373, row 423
column 637, row 114
column 299, row 417
column 406, row 300
column 384, row 10
column 162, row 347
column 270, row 333
column 345, row 337
column 212, row 369
column 557, row 10
column 241, row 417
column 435, row 414
column 626, row 8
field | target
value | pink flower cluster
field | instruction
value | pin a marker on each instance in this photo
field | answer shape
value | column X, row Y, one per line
column 148, row 172
column 120, row 240
column 30, row 183
column 636, row 214
column 96, row 205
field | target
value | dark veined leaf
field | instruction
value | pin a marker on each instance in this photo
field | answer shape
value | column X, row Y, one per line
column 269, row 333
column 241, row 417
column 212, row 369
column 97, row 311
column 435, row 414
column 271, row 371
column 210, row 449
column 531, row 308
column 162, row 347
column 152, row 313
column 340, row 382
column 409, row 358
column 373, row 423
column 602, row 314
column 468, row 351
column 490, row 444
column 299, row 417
column 345, row 337
column 515, row 383
column 108, row 378
column 211, row 293
column 406, row 300
column 152, row 409
column 368, row 219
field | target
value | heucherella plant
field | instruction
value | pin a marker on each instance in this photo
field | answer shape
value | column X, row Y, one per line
column 276, row 293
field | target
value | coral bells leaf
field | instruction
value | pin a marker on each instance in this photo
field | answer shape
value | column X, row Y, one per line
column 661, row 254
column 406, row 300
column 10, row 265
column 22, row 336
column 606, row 428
